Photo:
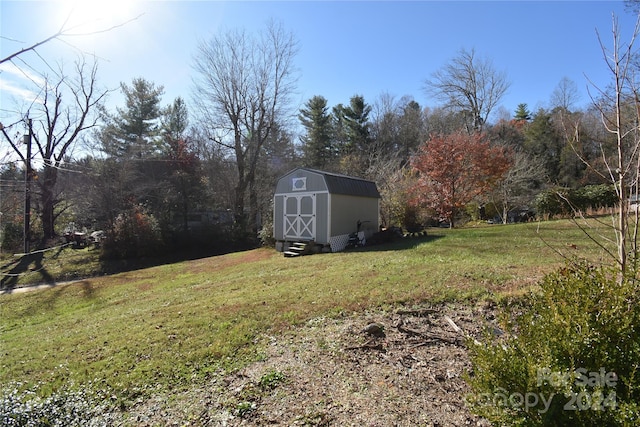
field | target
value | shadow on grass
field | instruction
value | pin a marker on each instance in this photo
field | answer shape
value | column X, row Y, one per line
column 47, row 301
column 30, row 270
column 397, row 244
column 29, row 263
column 36, row 262
column 115, row 266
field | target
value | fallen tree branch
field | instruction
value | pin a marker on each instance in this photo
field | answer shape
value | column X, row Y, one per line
column 453, row 325
column 418, row 313
column 369, row 345
column 428, row 337
column 458, row 329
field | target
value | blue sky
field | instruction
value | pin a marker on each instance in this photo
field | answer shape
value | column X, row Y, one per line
column 346, row 48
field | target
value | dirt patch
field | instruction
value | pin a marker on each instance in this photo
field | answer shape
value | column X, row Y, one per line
column 401, row 368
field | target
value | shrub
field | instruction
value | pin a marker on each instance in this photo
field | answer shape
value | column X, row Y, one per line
column 135, row 233
column 570, row 355
column 562, row 201
column 265, row 234
column 12, row 236
column 549, row 203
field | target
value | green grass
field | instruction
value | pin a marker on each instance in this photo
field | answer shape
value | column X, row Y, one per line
column 57, row 264
column 171, row 325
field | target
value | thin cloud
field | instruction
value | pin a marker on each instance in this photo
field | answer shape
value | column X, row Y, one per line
column 13, row 79
column 21, row 73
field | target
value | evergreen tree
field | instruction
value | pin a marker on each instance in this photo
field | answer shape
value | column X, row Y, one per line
column 317, row 142
column 134, row 141
column 522, row 113
column 411, row 131
column 279, row 158
column 339, row 127
column 356, row 117
column 352, row 135
column 180, row 168
column 175, row 120
column 134, row 131
column 542, row 141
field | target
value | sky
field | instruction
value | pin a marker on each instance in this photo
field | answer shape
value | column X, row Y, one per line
column 367, row 48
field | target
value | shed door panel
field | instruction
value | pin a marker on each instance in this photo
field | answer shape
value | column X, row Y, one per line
column 300, row 216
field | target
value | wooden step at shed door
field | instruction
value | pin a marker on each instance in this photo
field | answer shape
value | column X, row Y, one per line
column 296, row 249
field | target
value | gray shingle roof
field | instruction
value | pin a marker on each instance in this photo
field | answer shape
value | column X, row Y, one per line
column 348, row 185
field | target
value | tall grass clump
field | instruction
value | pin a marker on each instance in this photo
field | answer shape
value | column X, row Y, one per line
column 569, row 355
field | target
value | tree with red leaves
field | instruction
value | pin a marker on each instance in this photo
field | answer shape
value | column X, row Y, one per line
column 454, row 169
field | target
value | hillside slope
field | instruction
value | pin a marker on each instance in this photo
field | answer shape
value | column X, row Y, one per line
column 194, row 325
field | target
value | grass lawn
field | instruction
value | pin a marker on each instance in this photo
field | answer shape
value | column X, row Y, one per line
column 168, row 326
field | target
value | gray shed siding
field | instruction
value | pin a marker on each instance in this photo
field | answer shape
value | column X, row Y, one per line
column 346, row 211
column 322, row 218
column 314, row 182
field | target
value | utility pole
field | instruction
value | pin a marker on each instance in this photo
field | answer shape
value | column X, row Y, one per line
column 27, row 190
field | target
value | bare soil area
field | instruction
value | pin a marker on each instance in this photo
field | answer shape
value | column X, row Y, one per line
column 404, row 367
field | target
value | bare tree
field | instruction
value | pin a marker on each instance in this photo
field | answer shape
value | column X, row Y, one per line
column 565, row 95
column 619, row 110
column 397, row 128
column 242, row 89
column 513, row 190
column 57, row 128
column 442, row 121
column 624, row 169
column 632, row 6
column 384, row 122
column 58, row 124
column 469, row 85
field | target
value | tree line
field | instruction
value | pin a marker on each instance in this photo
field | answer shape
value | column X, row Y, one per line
column 157, row 177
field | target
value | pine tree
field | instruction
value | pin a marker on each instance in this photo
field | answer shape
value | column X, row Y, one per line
column 543, row 142
column 134, row 131
column 317, row 142
column 356, row 117
column 522, row 113
column 411, row 129
column 133, row 141
column 175, row 120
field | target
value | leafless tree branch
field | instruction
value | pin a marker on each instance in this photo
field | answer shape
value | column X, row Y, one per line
column 65, row 32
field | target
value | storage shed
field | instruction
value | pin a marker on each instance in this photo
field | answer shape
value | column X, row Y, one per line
column 324, row 208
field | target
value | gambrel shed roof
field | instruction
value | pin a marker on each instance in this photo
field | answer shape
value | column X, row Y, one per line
column 347, row 185
column 342, row 184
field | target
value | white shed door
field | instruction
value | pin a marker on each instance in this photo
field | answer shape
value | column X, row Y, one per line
column 300, row 216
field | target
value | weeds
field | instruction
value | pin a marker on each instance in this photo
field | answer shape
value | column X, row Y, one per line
column 244, row 409
column 271, row 380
